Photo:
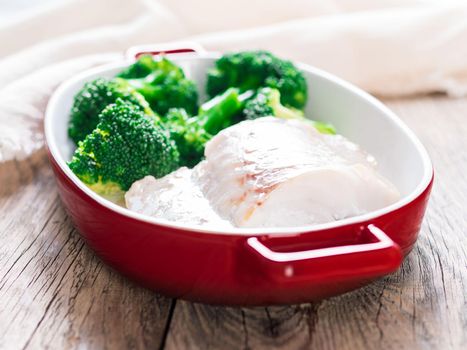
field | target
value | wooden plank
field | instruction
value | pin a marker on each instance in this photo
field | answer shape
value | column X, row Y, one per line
column 54, row 292
column 422, row 306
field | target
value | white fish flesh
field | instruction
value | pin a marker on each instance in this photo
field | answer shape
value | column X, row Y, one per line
column 268, row 172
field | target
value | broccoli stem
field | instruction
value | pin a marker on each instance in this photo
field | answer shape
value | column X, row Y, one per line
column 323, row 128
column 219, row 112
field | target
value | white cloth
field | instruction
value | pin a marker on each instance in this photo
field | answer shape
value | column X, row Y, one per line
column 388, row 47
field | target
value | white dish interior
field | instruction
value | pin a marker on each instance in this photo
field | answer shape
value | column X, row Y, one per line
column 355, row 114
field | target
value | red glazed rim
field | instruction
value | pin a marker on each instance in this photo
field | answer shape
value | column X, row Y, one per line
column 179, row 47
column 195, row 50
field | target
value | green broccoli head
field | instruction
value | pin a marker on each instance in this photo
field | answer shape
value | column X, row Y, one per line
column 267, row 102
column 163, row 84
column 254, row 69
column 191, row 133
column 166, row 92
column 188, row 134
column 146, row 65
column 93, row 98
column 125, row 146
column 141, row 68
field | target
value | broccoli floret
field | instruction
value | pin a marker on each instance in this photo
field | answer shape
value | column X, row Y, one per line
column 141, row 68
column 254, row 69
column 93, row 98
column 125, row 146
column 163, row 84
column 191, row 133
column 188, row 134
column 164, row 93
column 267, row 102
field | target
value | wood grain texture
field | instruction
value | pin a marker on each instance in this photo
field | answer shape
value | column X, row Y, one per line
column 54, row 293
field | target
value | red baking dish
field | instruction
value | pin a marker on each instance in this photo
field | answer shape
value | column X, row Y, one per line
column 255, row 266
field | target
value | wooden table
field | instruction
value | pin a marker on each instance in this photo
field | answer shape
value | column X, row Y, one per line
column 55, row 293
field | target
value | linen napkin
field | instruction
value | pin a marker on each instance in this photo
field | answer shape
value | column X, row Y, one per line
column 388, row 47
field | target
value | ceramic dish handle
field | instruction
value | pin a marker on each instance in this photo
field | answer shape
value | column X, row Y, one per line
column 168, row 48
column 370, row 253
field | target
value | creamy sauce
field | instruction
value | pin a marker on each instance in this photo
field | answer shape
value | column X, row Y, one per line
column 268, row 173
